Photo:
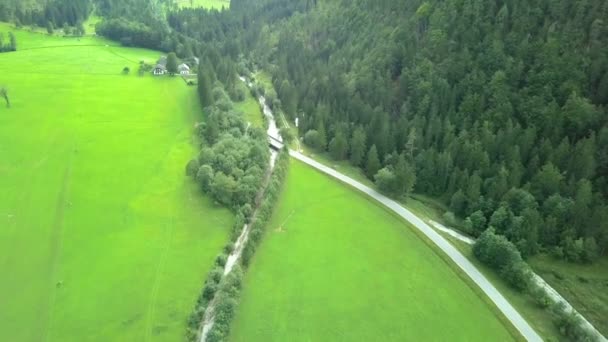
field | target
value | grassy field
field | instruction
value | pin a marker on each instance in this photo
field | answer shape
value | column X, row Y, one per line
column 250, row 107
column 102, row 238
column 334, row 266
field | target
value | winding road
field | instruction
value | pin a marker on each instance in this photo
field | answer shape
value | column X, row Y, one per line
column 503, row 305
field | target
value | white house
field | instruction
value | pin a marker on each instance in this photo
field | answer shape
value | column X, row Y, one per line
column 183, row 69
column 161, row 66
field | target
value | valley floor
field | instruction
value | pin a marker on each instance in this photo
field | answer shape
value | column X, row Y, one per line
column 103, row 238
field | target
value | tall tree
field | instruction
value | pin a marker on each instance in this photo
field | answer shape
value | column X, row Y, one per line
column 357, row 147
column 405, row 176
column 338, row 147
column 204, row 85
column 172, row 63
column 373, row 163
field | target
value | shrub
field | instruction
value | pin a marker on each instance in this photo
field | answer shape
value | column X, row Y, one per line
column 450, row 218
column 385, row 180
column 314, row 139
column 192, row 168
column 500, row 254
column 286, row 134
column 221, row 260
column 229, row 248
column 495, row 250
column 239, row 94
column 540, row 296
column 518, row 275
column 570, row 324
column 246, row 210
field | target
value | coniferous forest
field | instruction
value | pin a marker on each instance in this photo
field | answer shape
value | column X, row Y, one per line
column 497, row 108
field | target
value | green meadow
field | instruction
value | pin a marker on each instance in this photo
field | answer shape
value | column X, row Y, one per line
column 102, row 237
column 335, row 266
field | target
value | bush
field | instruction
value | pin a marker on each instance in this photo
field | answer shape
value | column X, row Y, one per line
column 192, row 168
column 286, row 134
column 238, row 94
column 495, row 250
column 246, row 210
column 314, row 139
column 571, row 325
column 518, row 275
column 500, row 254
column 450, row 219
column 540, row 296
column 385, row 180
column 221, row 260
column 229, row 248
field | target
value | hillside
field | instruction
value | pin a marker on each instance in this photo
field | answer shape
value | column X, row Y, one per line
column 487, row 102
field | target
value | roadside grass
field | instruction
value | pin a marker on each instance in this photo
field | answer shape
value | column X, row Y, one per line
column 585, row 287
column 103, row 237
column 336, row 266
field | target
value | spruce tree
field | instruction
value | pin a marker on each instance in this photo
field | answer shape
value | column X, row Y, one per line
column 373, row 163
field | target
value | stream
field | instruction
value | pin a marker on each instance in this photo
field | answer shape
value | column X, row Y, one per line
column 233, row 258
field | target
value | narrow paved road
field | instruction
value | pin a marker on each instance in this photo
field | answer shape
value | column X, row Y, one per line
column 503, row 305
column 551, row 292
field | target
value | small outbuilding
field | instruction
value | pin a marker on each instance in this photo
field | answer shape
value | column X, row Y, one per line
column 183, row 69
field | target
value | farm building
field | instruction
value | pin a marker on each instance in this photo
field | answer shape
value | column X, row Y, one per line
column 161, row 66
column 183, row 69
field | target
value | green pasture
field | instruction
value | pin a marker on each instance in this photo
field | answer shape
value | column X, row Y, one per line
column 335, row 266
column 102, row 237
column 250, row 107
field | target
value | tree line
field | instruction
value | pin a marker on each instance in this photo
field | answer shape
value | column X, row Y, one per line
column 40, row 13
